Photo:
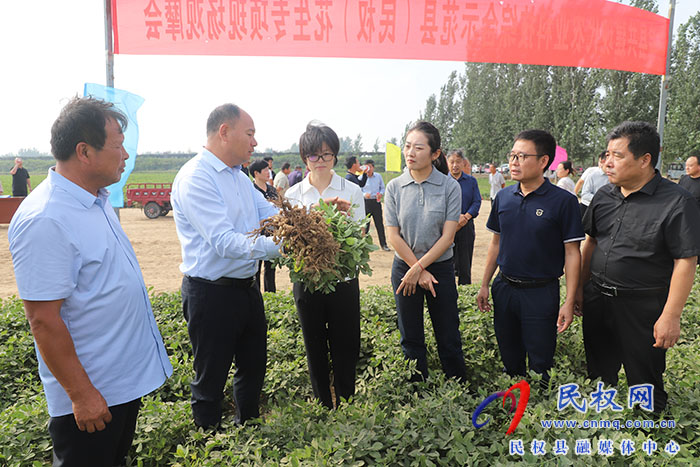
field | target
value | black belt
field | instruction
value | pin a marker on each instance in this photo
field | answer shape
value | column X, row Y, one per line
column 527, row 283
column 612, row 291
column 227, row 281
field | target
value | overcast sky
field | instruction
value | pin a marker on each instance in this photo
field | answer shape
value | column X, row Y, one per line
column 50, row 48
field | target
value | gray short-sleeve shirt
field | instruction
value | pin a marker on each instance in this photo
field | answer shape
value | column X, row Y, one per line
column 420, row 210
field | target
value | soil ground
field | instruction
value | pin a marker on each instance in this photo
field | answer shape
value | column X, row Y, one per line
column 158, row 252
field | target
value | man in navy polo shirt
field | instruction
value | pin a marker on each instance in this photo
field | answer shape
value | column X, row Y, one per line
column 536, row 234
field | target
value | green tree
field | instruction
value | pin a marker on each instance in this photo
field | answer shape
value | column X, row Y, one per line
column 682, row 130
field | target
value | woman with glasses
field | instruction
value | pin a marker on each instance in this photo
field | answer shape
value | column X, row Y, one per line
column 329, row 322
column 564, row 170
column 422, row 210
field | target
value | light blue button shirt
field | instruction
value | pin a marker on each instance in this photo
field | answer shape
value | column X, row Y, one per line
column 374, row 186
column 68, row 244
column 215, row 209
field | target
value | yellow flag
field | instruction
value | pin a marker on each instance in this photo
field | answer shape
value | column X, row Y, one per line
column 393, row 158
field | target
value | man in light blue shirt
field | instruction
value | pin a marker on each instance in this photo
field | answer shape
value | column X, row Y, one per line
column 373, row 191
column 97, row 342
column 216, row 207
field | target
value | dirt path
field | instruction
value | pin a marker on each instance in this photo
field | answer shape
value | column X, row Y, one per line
column 158, row 252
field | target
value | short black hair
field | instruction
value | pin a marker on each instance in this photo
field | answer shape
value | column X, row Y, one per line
column 369, row 162
column 311, row 141
column 457, row 152
column 83, row 120
column 642, row 139
column 285, row 166
column 257, row 166
column 602, row 155
column 545, row 144
column 567, row 166
column 350, row 161
column 222, row 114
column 268, row 158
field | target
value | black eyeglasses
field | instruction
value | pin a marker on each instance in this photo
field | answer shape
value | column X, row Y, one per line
column 512, row 156
column 326, row 156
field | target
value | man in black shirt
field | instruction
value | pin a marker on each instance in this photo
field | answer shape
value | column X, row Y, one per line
column 20, row 179
column 353, row 167
column 639, row 254
column 691, row 180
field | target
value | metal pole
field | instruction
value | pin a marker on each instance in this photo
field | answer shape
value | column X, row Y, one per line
column 109, row 48
column 665, row 81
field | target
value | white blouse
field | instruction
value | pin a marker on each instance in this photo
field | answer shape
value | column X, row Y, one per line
column 304, row 193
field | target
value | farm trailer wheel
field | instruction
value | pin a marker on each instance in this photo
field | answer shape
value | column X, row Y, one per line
column 152, row 210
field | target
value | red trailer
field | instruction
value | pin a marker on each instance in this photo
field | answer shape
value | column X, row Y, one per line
column 154, row 197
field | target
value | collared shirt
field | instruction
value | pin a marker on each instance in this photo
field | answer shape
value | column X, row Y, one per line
column 374, row 186
column 496, row 181
column 420, row 210
column 594, row 181
column 270, row 192
column 215, row 209
column 281, row 181
column 692, row 185
column 67, row 244
column 471, row 197
column 640, row 235
column 304, row 193
column 533, row 230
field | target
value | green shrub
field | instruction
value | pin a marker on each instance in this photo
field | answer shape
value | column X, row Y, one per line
column 388, row 422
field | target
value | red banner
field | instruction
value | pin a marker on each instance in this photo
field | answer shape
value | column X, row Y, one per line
column 586, row 33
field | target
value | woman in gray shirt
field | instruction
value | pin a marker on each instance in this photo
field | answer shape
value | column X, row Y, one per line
column 422, row 210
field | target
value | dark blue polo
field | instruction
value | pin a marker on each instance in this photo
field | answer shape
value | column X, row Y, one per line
column 471, row 197
column 533, row 230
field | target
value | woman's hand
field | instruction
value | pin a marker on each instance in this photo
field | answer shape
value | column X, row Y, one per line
column 342, row 204
column 426, row 281
column 409, row 280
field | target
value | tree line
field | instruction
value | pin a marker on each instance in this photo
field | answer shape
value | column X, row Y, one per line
column 482, row 108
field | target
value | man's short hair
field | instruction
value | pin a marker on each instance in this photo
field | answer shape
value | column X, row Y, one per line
column 545, row 144
column 297, row 167
column 311, row 141
column 696, row 154
column 268, row 159
column 602, row 155
column 257, row 166
column 642, row 136
column 285, row 166
column 83, row 120
column 350, row 161
column 222, row 114
column 457, row 152
column 369, row 162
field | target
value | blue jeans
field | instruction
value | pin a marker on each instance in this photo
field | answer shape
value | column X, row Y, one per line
column 525, row 321
column 443, row 314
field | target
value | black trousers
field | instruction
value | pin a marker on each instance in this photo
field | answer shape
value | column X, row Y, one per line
column 109, row 447
column 620, row 331
column 525, row 323
column 331, row 322
column 444, row 315
column 268, row 276
column 463, row 252
column 374, row 207
column 226, row 324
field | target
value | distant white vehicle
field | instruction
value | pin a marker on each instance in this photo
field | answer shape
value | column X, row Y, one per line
column 504, row 169
column 675, row 170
